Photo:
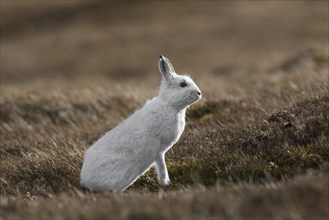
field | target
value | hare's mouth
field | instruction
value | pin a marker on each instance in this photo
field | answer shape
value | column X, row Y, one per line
column 197, row 94
column 195, row 97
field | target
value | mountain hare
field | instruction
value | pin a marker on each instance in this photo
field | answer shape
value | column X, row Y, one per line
column 127, row 151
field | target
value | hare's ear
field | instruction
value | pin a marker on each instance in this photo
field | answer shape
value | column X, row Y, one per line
column 166, row 68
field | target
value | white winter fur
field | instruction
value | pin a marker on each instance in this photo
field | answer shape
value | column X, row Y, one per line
column 127, row 151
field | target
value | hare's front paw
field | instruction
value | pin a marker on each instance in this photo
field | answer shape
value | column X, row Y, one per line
column 165, row 182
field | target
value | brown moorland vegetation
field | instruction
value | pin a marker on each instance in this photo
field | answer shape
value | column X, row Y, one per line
column 256, row 146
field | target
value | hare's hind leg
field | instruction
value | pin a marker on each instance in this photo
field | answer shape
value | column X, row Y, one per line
column 128, row 179
column 131, row 176
column 122, row 188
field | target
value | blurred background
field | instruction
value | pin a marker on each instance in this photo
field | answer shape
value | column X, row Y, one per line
column 72, row 70
column 48, row 43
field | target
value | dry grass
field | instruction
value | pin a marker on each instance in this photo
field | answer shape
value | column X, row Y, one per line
column 256, row 146
column 302, row 198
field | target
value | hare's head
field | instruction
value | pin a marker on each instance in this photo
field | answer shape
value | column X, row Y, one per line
column 178, row 90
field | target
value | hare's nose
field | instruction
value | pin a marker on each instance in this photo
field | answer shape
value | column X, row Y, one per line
column 199, row 93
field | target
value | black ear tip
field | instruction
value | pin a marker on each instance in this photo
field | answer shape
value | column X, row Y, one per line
column 161, row 56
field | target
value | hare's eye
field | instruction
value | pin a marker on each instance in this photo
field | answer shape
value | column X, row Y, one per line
column 183, row 84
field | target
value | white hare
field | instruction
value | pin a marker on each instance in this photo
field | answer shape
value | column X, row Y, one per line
column 127, row 151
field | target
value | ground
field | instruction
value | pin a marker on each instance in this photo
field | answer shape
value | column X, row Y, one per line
column 256, row 146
